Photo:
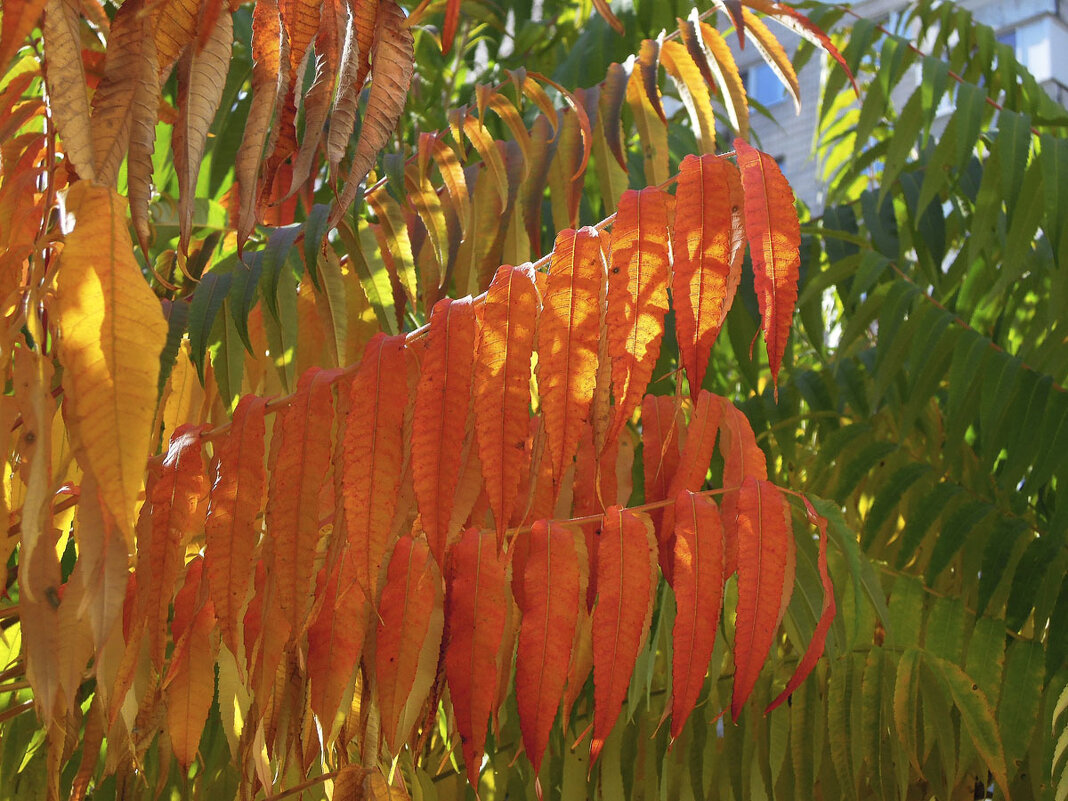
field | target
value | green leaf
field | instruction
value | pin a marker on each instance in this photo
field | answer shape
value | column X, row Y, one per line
column 957, row 530
column 1021, row 697
column 976, row 716
column 373, row 275
column 889, row 496
column 1054, row 159
column 207, row 300
column 314, row 232
column 840, row 735
column 861, row 570
column 227, row 359
column 905, row 131
column 906, row 612
column 1012, row 146
column 176, row 313
column 244, row 293
column 922, row 516
column 906, row 704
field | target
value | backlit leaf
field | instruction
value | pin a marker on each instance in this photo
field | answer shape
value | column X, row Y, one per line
column 407, row 638
column 774, row 238
column 549, row 605
column 626, row 585
column 442, row 403
column 373, row 456
column 698, row 575
column 765, row 580
column 231, row 529
column 568, row 341
column 111, row 334
column 637, row 297
column 65, row 79
column 477, row 609
column 502, row 386
column 391, row 74
column 300, row 459
column 707, row 267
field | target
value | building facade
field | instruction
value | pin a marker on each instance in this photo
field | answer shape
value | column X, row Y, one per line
column 1036, row 29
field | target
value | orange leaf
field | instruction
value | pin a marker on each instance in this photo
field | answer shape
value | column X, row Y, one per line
column 502, row 386
column 19, row 20
column 335, row 642
column 827, row 612
column 298, row 465
column 805, row 28
column 706, row 272
column 549, row 605
column 268, row 84
column 407, row 638
column 765, row 580
column 201, row 80
column 373, row 457
column 698, row 600
column 637, row 296
column 231, row 530
column 189, row 687
column 176, row 513
column 568, row 338
column 477, row 606
column 774, row 241
column 448, row 33
column 742, row 457
column 693, row 467
column 391, row 75
column 442, row 402
column 626, row 584
column 605, row 11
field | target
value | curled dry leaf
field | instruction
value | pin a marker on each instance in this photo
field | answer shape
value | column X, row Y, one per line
column 391, row 75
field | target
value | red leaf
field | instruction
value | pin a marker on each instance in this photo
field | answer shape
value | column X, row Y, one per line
column 550, row 607
column 477, row 606
column 774, row 235
column 707, row 263
column 176, row 513
column 626, row 584
column 231, row 531
column 693, row 467
column 637, row 296
column 407, row 638
column 827, row 612
column 502, row 386
column 742, row 457
column 298, row 466
column 442, row 402
column 373, row 457
column 765, row 580
column 698, row 600
column 567, row 343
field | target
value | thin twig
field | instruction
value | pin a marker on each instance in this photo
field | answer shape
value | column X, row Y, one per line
column 299, row 788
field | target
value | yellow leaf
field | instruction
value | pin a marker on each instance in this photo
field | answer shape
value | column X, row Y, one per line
column 111, row 334
column 65, row 77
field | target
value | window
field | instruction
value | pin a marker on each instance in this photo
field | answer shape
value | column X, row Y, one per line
column 763, row 85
